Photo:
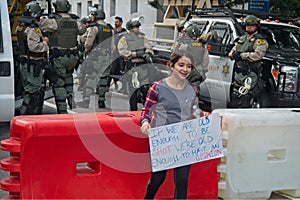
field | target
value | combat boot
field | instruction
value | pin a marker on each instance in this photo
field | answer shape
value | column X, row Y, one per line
column 71, row 102
column 84, row 103
column 101, row 104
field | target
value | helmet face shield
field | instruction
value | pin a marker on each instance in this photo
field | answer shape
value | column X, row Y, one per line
column 135, row 24
column 131, row 24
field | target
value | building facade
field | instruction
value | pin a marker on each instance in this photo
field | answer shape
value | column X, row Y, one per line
column 126, row 9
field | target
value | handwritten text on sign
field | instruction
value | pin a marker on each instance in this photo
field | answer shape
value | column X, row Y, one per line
column 185, row 143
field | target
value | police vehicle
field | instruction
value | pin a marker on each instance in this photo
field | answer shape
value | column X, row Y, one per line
column 280, row 71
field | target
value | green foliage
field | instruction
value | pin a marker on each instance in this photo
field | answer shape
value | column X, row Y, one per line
column 288, row 8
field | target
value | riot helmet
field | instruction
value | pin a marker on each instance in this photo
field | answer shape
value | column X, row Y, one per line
column 131, row 24
column 62, row 6
column 98, row 14
column 193, row 31
column 86, row 19
column 33, row 9
column 251, row 20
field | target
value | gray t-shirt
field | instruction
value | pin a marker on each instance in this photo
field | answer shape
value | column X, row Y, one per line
column 173, row 105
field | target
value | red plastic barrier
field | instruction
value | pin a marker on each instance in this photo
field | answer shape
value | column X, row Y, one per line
column 88, row 155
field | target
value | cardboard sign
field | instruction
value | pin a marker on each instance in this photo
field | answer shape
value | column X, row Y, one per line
column 185, row 143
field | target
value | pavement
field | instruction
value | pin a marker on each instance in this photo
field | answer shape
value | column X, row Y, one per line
column 116, row 101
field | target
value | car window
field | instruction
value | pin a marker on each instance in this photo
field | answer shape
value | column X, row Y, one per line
column 202, row 25
column 281, row 36
column 221, row 39
column 221, row 33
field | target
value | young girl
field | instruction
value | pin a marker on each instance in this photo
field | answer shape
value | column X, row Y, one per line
column 168, row 101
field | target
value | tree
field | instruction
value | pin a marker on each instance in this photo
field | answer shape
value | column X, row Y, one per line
column 287, row 8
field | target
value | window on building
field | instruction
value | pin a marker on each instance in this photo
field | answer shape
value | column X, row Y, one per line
column 79, row 9
column 112, row 7
column 89, row 4
column 100, row 4
column 133, row 6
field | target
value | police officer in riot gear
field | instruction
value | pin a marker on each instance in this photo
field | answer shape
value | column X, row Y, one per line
column 193, row 42
column 134, row 47
column 33, row 48
column 248, row 53
column 63, row 29
column 98, row 47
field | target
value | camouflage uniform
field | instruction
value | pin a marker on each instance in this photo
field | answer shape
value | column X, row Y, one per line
column 33, row 48
column 98, row 47
column 248, row 54
column 63, row 29
column 135, row 49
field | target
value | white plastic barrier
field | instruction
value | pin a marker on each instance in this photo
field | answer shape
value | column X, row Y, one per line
column 262, row 153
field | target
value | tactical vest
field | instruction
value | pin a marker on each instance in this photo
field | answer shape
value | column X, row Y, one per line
column 22, row 39
column 197, row 49
column 104, row 36
column 66, row 35
column 134, row 43
column 245, row 45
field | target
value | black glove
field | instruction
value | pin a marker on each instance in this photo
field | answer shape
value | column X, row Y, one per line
column 148, row 57
column 140, row 53
column 236, row 56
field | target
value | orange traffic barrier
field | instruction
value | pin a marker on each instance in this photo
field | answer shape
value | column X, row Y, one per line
column 88, row 155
